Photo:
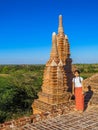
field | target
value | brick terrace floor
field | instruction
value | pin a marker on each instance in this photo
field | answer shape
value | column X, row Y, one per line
column 88, row 120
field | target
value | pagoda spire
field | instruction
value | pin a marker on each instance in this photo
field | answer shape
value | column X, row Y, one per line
column 67, row 47
column 60, row 28
column 54, row 51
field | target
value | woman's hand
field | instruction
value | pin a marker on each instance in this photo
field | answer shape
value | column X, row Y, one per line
column 73, row 93
column 83, row 92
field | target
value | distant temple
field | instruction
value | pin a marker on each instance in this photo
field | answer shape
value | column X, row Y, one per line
column 57, row 78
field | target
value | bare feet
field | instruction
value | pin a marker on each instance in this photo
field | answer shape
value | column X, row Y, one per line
column 75, row 109
column 80, row 111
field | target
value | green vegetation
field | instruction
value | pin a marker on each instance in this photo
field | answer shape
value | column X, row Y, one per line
column 87, row 70
column 19, row 85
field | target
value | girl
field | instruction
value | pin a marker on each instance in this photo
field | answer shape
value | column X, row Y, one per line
column 77, row 90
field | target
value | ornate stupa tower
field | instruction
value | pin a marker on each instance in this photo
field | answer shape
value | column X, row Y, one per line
column 57, row 75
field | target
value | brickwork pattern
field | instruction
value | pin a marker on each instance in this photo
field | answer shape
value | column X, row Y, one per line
column 18, row 123
column 88, row 120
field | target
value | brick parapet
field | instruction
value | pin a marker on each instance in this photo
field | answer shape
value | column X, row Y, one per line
column 16, row 124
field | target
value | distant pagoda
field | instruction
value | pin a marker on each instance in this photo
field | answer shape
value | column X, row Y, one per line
column 57, row 75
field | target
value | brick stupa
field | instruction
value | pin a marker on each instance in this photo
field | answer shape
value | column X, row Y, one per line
column 57, row 75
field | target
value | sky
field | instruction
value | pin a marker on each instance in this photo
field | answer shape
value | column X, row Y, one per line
column 26, row 28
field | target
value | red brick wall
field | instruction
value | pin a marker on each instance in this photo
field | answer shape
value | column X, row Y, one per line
column 18, row 123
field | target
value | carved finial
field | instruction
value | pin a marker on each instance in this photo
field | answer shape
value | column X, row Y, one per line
column 66, row 37
column 60, row 28
column 53, row 33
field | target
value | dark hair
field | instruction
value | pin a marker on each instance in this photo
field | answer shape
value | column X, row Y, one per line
column 77, row 71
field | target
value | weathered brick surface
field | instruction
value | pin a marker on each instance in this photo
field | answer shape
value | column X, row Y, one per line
column 91, row 88
column 18, row 123
column 63, row 119
column 88, row 120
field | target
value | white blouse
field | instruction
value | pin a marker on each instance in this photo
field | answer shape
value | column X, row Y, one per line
column 77, row 81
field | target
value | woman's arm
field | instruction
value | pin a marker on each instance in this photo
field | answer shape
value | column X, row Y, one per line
column 82, row 88
column 73, row 88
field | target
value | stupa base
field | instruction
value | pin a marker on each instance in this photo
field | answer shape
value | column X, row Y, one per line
column 40, row 106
